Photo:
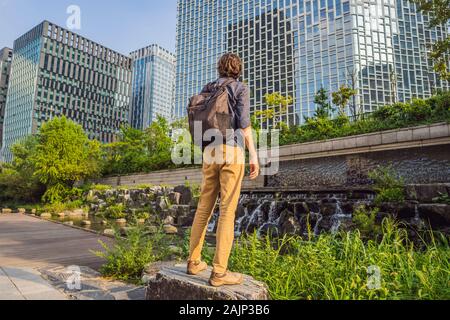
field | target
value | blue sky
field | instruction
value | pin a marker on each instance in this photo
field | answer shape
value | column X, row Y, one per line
column 121, row 25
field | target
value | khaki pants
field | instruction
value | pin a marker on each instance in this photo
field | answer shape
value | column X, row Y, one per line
column 224, row 176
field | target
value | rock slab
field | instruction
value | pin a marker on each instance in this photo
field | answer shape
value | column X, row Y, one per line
column 172, row 283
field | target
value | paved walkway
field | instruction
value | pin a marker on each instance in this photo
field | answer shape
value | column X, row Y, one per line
column 26, row 284
column 30, row 242
column 34, row 259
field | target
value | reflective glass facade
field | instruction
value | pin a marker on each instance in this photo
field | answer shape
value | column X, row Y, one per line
column 153, row 85
column 378, row 47
column 56, row 72
column 5, row 70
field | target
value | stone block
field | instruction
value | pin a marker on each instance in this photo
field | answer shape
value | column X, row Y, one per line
column 437, row 214
column 439, row 131
column 172, row 283
column 389, row 137
column 421, row 133
column 404, row 135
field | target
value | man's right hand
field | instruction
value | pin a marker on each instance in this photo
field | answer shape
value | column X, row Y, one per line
column 254, row 168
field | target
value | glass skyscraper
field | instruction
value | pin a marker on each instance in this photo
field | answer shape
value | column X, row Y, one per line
column 5, row 70
column 153, row 85
column 295, row 47
column 56, row 72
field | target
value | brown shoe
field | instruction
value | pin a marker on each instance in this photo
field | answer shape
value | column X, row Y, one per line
column 229, row 279
column 195, row 267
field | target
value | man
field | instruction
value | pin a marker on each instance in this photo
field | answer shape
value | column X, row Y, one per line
column 225, row 177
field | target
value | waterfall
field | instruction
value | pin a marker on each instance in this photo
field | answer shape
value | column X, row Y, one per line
column 255, row 215
column 338, row 217
column 212, row 223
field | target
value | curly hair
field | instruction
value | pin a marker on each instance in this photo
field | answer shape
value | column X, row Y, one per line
column 230, row 66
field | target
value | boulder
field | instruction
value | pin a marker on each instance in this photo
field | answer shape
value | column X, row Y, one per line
column 407, row 210
column 289, row 223
column 76, row 213
column 61, row 215
column 161, row 203
column 328, row 208
column 22, row 210
column 437, row 214
column 46, row 215
column 185, row 194
column 168, row 220
column 121, row 221
column 175, row 198
column 172, row 283
column 86, row 223
column 425, row 193
column 68, row 223
column 109, row 232
column 6, row 211
column 180, row 211
column 169, row 229
column 299, row 209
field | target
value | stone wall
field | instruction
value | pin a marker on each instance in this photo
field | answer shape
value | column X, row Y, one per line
column 420, row 155
column 422, row 165
column 170, row 178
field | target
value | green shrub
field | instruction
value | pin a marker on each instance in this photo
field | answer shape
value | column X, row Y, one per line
column 115, row 211
column 101, row 187
column 388, row 187
column 144, row 186
column 443, row 198
column 336, row 267
column 365, row 221
column 127, row 258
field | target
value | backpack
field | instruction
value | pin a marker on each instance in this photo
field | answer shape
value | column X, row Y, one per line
column 211, row 108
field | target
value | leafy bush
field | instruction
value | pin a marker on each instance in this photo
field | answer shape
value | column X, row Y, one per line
column 59, row 207
column 127, row 258
column 388, row 187
column 115, row 211
column 336, row 267
column 399, row 115
column 443, row 198
column 365, row 221
column 101, row 187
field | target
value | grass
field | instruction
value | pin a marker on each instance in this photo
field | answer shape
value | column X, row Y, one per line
column 129, row 255
column 336, row 267
column 327, row 267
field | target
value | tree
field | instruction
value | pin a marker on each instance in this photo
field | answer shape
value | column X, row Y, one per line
column 439, row 13
column 324, row 109
column 277, row 106
column 352, row 73
column 159, row 144
column 342, row 97
column 64, row 155
column 17, row 180
column 128, row 155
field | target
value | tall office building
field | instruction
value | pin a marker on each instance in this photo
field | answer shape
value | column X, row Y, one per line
column 56, row 72
column 295, row 47
column 153, row 85
column 5, row 69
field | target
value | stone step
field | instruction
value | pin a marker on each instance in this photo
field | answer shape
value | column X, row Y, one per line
column 172, row 283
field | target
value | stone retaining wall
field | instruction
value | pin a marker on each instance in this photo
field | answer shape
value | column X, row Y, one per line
column 420, row 155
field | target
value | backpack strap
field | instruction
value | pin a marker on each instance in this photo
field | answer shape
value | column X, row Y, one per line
column 216, row 85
